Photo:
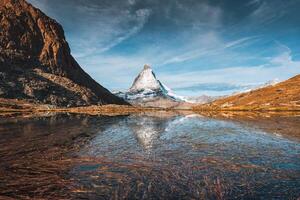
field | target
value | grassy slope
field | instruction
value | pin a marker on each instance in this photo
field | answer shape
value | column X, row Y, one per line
column 282, row 96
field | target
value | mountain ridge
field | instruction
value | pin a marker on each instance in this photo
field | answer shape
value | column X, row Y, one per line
column 36, row 62
column 280, row 96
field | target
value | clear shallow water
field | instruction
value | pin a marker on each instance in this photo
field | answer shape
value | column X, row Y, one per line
column 166, row 156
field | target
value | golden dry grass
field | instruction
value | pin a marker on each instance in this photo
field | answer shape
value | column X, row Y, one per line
column 15, row 107
column 284, row 96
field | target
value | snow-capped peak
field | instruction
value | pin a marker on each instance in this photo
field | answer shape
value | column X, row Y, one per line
column 146, row 80
column 147, row 87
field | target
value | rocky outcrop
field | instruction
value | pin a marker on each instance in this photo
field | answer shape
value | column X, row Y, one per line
column 36, row 63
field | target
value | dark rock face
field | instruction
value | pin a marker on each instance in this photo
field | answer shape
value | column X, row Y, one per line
column 36, row 63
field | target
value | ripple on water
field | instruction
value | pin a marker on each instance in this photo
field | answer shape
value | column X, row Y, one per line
column 146, row 157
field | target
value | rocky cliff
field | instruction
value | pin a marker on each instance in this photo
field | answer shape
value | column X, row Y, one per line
column 36, row 63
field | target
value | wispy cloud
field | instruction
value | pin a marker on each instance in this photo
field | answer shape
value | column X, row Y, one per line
column 267, row 11
column 284, row 58
column 198, row 14
column 254, row 2
column 93, row 28
column 210, row 44
column 215, row 87
column 142, row 16
column 111, row 32
column 280, row 67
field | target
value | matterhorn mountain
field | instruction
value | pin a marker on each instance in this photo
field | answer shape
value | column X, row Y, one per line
column 146, row 86
column 148, row 91
column 146, row 80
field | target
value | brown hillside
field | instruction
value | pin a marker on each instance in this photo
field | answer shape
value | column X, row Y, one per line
column 36, row 63
column 282, row 96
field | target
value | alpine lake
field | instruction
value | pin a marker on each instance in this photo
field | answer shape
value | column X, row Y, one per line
column 153, row 155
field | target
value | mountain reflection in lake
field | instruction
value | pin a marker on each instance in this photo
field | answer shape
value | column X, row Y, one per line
column 153, row 156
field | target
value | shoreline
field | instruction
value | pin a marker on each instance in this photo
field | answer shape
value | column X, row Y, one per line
column 15, row 107
column 126, row 110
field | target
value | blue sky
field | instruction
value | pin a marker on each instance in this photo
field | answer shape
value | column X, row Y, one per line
column 195, row 47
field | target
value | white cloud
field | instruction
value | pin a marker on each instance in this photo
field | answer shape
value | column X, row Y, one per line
column 280, row 67
column 131, row 2
column 110, row 31
column 267, row 12
column 199, row 15
column 207, row 44
column 142, row 17
column 115, row 72
column 284, row 58
column 254, row 2
column 101, row 27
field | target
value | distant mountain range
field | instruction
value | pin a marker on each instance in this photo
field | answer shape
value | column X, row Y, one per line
column 36, row 63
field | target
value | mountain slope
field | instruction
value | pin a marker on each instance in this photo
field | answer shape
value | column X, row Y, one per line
column 36, row 63
column 147, row 90
column 146, row 80
column 281, row 96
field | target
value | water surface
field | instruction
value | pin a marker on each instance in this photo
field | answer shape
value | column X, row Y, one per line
column 148, row 156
